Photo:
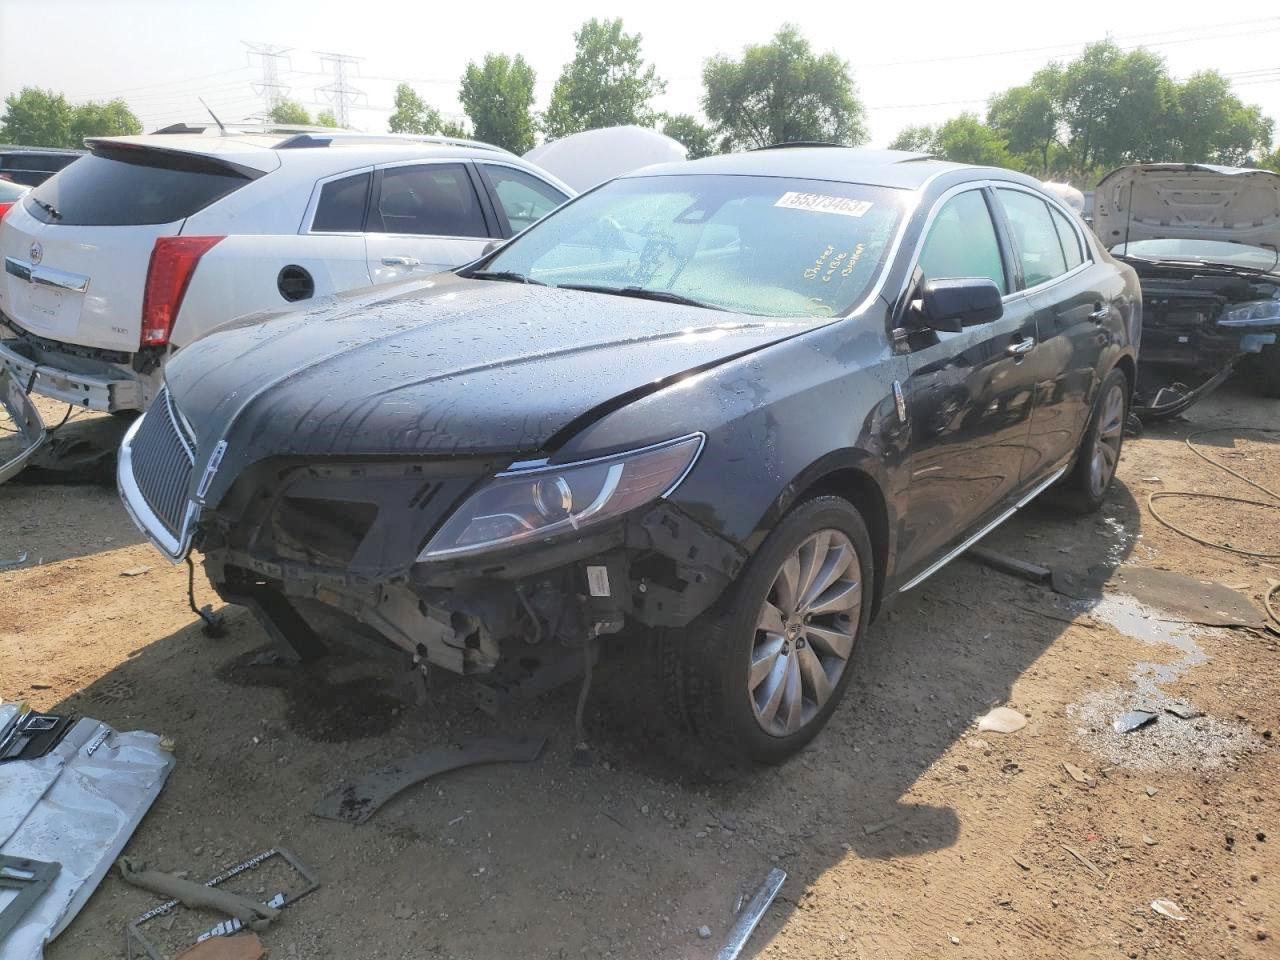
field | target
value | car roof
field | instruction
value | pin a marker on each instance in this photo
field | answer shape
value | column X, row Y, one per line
column 900, row 169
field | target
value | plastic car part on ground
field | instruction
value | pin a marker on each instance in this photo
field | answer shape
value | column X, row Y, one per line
column 24, row 420
column 583, row 160
column 76, row 806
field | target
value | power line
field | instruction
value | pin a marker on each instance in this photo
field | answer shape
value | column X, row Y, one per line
column 269, row 87
column 340, row 92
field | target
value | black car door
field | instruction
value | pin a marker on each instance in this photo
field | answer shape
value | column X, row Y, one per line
column 1071, row 309
column 969, row 394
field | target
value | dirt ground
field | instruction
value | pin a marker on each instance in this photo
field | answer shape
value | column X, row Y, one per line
column 905, row 832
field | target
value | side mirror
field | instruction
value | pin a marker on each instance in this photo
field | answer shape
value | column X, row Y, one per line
column 952, row 305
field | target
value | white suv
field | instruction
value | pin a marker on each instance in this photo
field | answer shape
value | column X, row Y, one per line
column 149, row 242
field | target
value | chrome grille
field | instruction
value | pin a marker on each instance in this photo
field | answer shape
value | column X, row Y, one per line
column 162, row 460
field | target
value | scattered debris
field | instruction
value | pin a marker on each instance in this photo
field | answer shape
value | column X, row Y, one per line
column 135, row 571
column 110, row 780
column 138, row 944
column 1167, row 908
column 1011, row 565
column 751, row 915
column 191, row 894
column 1152, row 791
column 1133, row 720
column 1022, row 863
column 21, row 559
column 30, row 878
column 247, row 946
column 29, row 735
column 1149, row 841
column 872, row 828
column 704, row 932
column 1002, row 720
column 1084, row 860
column 1076, row 774
column 1183, row 712
column 355, row 801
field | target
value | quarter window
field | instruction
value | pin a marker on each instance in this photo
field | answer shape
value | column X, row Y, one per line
column 1070, row 239
column 1034, row 237
column 523, row 197
column 962, row 242
column 436, row 199
column 341, row 205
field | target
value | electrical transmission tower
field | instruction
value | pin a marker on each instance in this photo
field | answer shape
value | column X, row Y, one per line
column 269, row 86
column 340, row 92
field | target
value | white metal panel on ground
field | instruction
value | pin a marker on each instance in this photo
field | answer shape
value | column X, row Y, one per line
column 77, row 805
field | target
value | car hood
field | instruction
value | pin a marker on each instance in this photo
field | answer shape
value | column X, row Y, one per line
column 442, row 367
column 1188, row 201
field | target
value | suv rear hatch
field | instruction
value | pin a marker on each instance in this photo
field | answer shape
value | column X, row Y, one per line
column 77, row 248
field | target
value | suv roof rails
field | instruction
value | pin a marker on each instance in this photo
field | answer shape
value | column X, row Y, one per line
column 57, row 151
column 249, row 126
column 326, row 137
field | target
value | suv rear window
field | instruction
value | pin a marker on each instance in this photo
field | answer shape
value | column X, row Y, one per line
column 154, row 188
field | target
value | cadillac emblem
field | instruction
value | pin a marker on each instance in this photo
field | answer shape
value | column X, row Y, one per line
column 36, row 252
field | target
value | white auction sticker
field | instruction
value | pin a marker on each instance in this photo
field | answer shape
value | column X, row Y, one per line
column 823, row 203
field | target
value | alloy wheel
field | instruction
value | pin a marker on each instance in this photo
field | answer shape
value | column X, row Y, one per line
column 805, row 632
column 1106, row 445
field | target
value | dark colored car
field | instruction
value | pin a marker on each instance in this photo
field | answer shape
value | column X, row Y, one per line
column 734, row 405
column 32, row 166
column 1205, row 242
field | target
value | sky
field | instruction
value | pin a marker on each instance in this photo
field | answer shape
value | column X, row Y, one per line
column 916, row 63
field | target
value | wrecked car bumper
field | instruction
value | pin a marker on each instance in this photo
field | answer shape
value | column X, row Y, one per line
column 108, row 388
column 25, row 419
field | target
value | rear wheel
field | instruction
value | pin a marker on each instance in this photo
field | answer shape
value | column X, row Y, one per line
column 760, row 676
column 1086, row 486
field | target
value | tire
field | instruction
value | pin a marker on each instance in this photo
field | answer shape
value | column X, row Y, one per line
column 1086, row 486
column 707, row 667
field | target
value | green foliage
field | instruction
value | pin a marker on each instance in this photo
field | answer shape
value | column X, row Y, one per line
column 782, row 92
column 607, row 84
column 455, row 128
column 412, row 115
column 1114, row 106
column 325, row 118
column 698, row 139
column 498, row 97
column 42, row 118
column 290, row 112
column 37, row 118
column 1270, row 161
column 1208, row 122
column 962, row 139
column 1029, row 117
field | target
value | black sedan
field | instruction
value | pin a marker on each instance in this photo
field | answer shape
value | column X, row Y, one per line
column 728, row 408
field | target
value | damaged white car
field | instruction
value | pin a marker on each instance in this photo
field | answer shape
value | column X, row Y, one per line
column 1205, row 241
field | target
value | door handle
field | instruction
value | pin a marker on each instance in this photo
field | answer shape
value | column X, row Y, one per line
column 1101, row 314
column 1021, row 348
column 401, row 262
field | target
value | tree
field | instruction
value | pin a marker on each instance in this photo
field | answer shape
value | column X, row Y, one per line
column 697, row 138
column 1270, row 161
column 37, row 118
column 325, row 118
column 962, row 139
column 498, row 97
column 110, row 119
column 290, row 112
column 1207, row 122
column 412, row 115
column 781, row 92
column 1029, row 117
column 607, row 84
column 456, row 129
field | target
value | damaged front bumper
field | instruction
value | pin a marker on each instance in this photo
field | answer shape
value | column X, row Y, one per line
column 1213, row 357
column 29, row 434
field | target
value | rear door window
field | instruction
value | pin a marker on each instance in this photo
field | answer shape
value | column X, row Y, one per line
column 151, row 188
column 1070, row 239
column 962, row 242
column 342, row 205
column 433, row 199
column 1034, row 236
column 523, row 197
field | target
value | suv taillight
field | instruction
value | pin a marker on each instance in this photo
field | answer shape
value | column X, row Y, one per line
column 173, row 261
column 4, row 207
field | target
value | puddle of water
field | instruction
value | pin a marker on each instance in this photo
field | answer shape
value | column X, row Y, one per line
column 1171, row 743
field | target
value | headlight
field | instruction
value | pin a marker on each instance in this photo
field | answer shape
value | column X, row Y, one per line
column 532, row 504
column 1251, row 314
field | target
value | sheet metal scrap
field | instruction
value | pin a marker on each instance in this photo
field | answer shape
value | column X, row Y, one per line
column 30, row 429
column 751, row 915
column 355, row 801
column 30, row 878
column 139, row 946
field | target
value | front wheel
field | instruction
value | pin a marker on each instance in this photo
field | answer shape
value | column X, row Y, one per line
column 1086, row 486
column 760, row 676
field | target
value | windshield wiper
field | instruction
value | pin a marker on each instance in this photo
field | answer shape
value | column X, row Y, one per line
column 640, row 293
column 509, row 276
column 48, row 208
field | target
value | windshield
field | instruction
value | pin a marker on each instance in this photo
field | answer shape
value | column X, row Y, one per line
column 1206, row 251
column 761, row 245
